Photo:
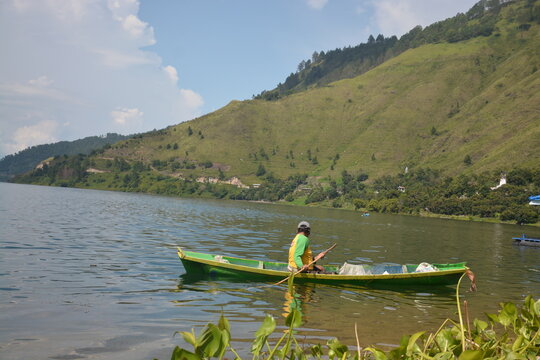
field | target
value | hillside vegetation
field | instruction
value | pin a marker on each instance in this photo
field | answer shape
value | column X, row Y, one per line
column 27, row 159
column 431, row 106
column 324, row 68
column 456, row 109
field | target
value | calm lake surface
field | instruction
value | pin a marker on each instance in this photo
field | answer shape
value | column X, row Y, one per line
column 93, row 274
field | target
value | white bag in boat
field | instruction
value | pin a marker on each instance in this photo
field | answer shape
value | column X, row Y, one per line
column 425, row 267
column 221, row 259
column 350, row 269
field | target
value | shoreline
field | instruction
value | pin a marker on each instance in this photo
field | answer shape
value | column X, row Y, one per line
column 422, row 214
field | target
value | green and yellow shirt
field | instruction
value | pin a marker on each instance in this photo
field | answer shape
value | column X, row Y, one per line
column 300, row 253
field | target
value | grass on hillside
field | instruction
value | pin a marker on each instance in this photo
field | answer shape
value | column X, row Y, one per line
column 479, row 95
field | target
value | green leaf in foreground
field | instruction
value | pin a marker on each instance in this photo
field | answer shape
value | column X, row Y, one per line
column 294, row 319
column 183, row 354
column 336, row 348
column 513, row 333
column 411, row 346
column 210, row 342
column 189, row 337
column 223, row 324
column 261, row 336
column 471, row 355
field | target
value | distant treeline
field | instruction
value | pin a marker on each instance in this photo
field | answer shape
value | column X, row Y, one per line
column 326, row 67
column 424, row 190
column 419, row 191
column 25, row 160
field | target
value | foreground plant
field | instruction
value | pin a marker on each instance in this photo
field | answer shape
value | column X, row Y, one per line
column 518, row 338
column 511, row 334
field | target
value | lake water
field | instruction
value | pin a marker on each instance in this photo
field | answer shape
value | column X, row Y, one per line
column 93, row 274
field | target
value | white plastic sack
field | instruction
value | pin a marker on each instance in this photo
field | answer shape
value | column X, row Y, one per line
column 350, row 269
column 426, row 267
column 221, row 259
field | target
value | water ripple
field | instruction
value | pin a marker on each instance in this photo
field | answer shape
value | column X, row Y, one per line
column 92, row 273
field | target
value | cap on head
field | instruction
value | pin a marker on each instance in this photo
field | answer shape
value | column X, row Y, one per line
column 303, row 225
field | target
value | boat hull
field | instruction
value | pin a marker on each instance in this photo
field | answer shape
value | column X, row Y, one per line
column 526, row 241
column 199, row 264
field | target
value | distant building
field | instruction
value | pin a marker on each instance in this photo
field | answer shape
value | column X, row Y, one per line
column 401, row 188
column 501, row 182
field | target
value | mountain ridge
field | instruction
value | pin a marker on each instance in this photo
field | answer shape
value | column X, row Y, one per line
column 26, row 159
column 446, row 114
column 348, row 62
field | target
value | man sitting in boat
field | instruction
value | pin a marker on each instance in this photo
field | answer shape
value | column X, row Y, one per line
column 300, row 255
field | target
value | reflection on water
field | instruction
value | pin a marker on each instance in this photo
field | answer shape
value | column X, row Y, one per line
column 296, row 298
column 90, row 274
column 327, row 311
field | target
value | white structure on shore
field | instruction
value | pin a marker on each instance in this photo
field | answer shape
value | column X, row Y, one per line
column 501, row 182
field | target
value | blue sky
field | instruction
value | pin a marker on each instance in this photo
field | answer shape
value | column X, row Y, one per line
column 79, row 68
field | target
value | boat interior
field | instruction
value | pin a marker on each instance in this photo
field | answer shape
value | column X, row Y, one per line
column 345, row 269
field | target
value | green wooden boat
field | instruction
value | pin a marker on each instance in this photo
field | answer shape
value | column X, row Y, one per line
column 201, row 264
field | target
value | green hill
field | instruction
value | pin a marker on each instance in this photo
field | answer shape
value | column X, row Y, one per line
column 25, row 160
column 431, row 106
column 459, row 102
column 327, row 67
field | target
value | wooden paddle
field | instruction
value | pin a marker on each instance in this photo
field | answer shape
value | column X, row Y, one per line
column 318, row 257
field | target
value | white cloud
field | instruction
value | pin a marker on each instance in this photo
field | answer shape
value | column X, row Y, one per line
column 38, row 88
column 191, row 99
column 21, row 5
column 125, row 12
column 65, row 11
column 119, row 59
column 124, row 116
column 316, row 4
column 396, row 17
column 72, row 62
column 171, row 73
column 42, row 81
column 137, row 28
column 70, row 11
column 29, row 135
column 123, row 8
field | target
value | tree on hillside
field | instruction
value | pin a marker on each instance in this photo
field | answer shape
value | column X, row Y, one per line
column 301, row 66
column 260, row 170
column 27, row 159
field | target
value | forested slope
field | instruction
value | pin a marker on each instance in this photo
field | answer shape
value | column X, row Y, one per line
column 25, row 160
column 431, row 129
